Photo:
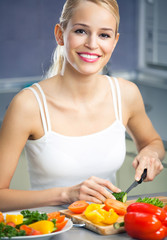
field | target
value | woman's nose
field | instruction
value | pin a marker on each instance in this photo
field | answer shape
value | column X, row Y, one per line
column 91, row 42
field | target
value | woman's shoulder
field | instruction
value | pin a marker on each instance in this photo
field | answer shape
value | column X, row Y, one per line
column 129, row 89
column 23, row 102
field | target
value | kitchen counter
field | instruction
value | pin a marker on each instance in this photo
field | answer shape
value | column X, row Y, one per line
column 85, row 234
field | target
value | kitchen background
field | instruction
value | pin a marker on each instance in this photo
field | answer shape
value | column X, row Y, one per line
column 27, row 43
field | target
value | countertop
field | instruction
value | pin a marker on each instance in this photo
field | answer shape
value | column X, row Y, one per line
column 84, row 234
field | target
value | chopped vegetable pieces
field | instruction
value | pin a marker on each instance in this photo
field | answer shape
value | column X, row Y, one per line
column 44, row 226
column 119, row 207
column 61, row 225
column 53, row 215
column 32, row 216
column 1, row 217
column 9, row 231
column 30, row 231
column 16, row 219
column 31, row 223
column 121, row 196
column 96, row 214
column 78, row 206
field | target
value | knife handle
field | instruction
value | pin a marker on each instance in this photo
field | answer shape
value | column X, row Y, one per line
column 143, row 176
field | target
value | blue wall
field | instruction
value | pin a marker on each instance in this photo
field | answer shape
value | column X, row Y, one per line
column 27, row 38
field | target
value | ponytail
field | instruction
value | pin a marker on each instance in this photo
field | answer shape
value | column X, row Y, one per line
column 57, row 62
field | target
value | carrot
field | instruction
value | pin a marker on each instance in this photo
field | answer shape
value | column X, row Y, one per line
column 78, row 206
column 119, row 207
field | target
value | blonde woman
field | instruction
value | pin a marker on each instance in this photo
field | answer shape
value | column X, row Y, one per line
column 73, row 123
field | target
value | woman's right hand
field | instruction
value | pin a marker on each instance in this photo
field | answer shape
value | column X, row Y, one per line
column 94, row 189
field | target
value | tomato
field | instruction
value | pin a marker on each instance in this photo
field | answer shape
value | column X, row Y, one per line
column 78, row 206
column 1, row 217
column 30, row 231
column 60, row 219
column 12, row 224
column 61, row 225
column 53, row 215
column 119, row 207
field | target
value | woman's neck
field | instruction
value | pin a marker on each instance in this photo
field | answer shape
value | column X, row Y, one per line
column 82, row 88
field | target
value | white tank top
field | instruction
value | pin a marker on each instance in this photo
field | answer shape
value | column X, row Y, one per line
column 56, row 160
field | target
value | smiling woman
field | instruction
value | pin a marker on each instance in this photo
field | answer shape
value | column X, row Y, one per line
column 72, row 125
column 67, row 14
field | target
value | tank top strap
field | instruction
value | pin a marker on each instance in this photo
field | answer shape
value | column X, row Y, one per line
column 45, row 106
column 119, row 98
column 41, row 109
column 116, row 100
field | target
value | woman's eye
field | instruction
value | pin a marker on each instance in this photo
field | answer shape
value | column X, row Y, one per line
column 105, row 35
column 80, row 31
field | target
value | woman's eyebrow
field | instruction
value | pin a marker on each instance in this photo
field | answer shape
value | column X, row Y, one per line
column 85, row 25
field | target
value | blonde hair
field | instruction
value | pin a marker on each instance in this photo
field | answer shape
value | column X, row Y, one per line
column 66, row 15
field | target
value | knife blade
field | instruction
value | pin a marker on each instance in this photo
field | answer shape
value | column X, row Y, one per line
column 136, row 183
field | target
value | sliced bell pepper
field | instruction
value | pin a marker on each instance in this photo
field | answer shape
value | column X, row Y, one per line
column 96, row 214
column 145, row 221
column 16, row 219
column 44, row 226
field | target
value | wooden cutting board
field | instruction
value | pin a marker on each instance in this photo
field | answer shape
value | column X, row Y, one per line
column 100, row 228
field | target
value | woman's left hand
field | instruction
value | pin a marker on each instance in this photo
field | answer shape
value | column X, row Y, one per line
column 150, row 160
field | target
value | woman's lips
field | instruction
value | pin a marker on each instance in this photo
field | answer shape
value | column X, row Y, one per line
column 89, row 57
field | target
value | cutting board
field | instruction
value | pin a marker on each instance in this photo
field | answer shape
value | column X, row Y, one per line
column 100, row 228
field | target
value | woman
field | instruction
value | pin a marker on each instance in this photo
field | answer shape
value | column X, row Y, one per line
column 73, row 123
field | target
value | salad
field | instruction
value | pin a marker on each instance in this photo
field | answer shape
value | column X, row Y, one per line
column 28, row 223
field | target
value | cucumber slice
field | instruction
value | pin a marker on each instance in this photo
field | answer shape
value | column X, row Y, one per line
column 121, row 196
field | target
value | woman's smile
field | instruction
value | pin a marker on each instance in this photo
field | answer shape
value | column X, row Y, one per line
column 89, row 57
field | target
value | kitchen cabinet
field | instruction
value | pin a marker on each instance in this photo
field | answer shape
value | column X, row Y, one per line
column 125, row 175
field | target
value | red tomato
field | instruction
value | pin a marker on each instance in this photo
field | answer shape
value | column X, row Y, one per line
column 12, row 224
column 53, row 215
column 61, row 225
column 78, row 206
column 1, row 217
column 60, row 219
column 29, row 231
column 119, row 207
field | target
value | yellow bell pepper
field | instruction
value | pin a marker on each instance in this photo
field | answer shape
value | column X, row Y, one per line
column 110, row 216
column 16, row 219
column 96, row 214
column 93, row 214
column 44, row 226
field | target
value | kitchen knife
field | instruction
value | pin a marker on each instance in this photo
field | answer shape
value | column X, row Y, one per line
column 135, row 183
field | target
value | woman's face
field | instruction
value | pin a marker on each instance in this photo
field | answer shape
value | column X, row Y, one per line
column 89, row 38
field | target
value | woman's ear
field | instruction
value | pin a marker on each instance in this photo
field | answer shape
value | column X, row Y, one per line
column 59, row 35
